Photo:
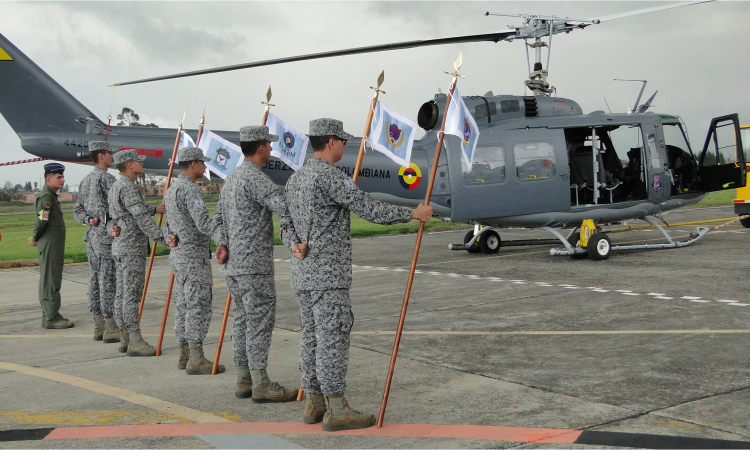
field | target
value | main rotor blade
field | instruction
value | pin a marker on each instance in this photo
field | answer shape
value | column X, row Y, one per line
column 649, row 10
column 491, row 37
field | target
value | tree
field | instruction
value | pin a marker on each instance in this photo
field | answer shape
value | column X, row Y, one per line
column 130, row 118
column 35, row 185
column 28, row 185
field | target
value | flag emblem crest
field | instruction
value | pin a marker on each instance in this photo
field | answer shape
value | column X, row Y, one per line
column 289, row 140
column 395, row 135
column 410, row 177
column 467, row 131
column 222, row 157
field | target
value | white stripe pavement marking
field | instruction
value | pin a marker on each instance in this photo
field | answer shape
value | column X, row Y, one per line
column 727, row 301
column 701, row 301
column 687, row 297
column 664, row 298
column 629, row 293
column 738, row 304
column 655, row 294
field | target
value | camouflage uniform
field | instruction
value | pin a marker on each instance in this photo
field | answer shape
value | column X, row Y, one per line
column 187, row 217
column 128, row 210
column 247, row 200
column 320, row 199
column 92, row 203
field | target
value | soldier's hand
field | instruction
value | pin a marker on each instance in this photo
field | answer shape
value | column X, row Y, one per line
column 299, row 250
column 160, row 208
column 94, row 221
column 222, row 254
column 114, row 231
column 173, row 240
column 422, row 213
column 31, row 241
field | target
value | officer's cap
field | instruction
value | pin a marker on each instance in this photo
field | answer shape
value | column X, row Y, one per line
column 128, row 155
column 54, row 168
column 256, row 133
column 328, row 127
column 191, row 154
column 99, row 146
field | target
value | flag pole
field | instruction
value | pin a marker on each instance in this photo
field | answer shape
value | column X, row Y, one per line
column 360, row 157
column 161, row 218
column 171, row 276
column 433, row 171
column 368, row 123
column 229, row 294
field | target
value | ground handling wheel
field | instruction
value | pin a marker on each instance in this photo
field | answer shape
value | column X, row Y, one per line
column 489, row 242
column 599, row 247
column 573, row 240
column 745, row 222
column 475, row 248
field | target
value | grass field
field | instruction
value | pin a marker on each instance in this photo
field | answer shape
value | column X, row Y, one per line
column 15, row 229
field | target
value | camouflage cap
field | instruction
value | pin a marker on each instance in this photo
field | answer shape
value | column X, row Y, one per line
column 256, row 133
column 328, row 127
column 128, row 155
column 99, row 146
column 191, row 154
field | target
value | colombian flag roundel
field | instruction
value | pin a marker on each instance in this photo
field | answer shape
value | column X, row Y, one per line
column 410, row 177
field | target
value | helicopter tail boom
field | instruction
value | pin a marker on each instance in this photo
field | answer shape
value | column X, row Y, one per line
column 32, row 102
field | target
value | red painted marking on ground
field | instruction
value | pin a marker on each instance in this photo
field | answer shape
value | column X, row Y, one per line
column 485, row 432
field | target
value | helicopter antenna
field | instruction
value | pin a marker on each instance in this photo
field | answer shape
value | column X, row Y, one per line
column 605, row 101
column 635, row 107
column 644, row 107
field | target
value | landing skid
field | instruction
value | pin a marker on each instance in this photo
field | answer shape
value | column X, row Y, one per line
column 601, row 249
column 486, row 240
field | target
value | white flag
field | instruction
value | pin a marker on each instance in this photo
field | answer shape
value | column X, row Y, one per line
column 392, row 134
column 187, row 141
column 460, row 122
column 291, row 146
column 225, row 156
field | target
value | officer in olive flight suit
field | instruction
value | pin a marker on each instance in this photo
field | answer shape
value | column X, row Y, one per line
column 49, row 239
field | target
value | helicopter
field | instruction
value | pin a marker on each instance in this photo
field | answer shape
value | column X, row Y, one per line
column 540, row 162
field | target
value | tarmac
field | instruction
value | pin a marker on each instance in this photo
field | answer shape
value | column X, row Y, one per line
column 519, row 349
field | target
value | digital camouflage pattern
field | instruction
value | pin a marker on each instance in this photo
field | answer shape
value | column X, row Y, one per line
column 320, row 199
column 326, row 319
column 129, row 211
column 93, row 203
column 254, row 299
column 245, row 208
column 187, row 218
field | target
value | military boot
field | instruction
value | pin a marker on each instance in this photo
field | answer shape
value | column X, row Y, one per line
column 339, row 416
column 98, row 327
column 244, row 387
column 184, row 356
column 267, row 391
column 111, row 332
column 124, row 340
column 199, row 365
column 59, row 325
column 139, row 347
column 315, row 408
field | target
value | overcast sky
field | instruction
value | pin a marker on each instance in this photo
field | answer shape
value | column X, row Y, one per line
column 695, row 56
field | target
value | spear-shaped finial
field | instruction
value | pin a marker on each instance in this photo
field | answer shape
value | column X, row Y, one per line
column 377, row 89
column 268, row 99
column 456, row 65
column 183, row 118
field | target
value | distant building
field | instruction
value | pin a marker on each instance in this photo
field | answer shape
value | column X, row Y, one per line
column 28, row 198
column 65, row 197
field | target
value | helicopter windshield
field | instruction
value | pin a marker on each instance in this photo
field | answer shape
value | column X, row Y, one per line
column 488, row 166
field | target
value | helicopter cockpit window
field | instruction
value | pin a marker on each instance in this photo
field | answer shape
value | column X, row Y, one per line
column 654, row 152
column 535, row 160
column 680, row 162
column 480, row 111
column 488, row 166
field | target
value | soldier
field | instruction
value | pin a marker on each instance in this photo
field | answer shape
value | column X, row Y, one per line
column 49, row 239
column 92, row 209
column 132, row 225
column 187, row 218
column 247, row 200
column 320, row 199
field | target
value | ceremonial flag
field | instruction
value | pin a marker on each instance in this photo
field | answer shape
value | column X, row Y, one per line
column 224, row 155
column 392, row 134
column 187, row 141
column 460, row 122
column 291, row 146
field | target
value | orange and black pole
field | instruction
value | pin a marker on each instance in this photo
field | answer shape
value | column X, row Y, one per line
column 417, row 245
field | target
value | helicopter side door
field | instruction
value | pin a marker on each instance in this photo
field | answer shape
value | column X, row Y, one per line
column 513, row 172
column 722, row 163
column 659, row 180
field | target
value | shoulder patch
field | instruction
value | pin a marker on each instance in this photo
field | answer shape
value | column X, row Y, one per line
column 47, row 205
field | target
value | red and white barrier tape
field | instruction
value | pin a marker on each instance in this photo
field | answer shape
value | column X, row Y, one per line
column 23, row 161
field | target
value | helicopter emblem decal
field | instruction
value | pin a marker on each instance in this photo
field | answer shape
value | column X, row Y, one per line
column 410, row 177
column 395, row 135
column 656, row 185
